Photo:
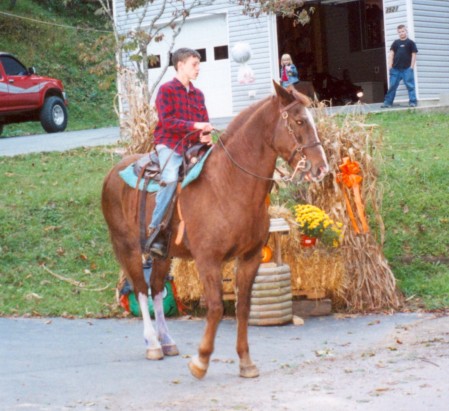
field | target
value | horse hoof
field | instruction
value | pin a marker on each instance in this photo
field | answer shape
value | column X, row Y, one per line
column 154, row 354
column 249, row 371
column 197, row 368
column 170, row 349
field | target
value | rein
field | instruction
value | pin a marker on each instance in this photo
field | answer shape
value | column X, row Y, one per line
column 302, row 165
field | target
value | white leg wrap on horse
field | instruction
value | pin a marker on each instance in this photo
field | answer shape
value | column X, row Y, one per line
column 149, row 334
column 168, row 344
column 161, row 325
column 198, row 363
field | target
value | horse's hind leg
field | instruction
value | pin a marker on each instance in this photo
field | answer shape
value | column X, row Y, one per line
column 130, row 259
column 159, row 271
column 210, row 274
column 246, row 272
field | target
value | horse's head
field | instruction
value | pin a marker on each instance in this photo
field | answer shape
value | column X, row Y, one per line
column 296, row 138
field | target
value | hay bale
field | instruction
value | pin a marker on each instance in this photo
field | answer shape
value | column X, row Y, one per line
column 187, row 280
column 319, row 269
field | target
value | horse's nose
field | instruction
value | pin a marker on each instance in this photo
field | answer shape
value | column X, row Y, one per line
column 322, row 172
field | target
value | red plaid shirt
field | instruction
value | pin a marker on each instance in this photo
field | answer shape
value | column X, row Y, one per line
column 178, row 110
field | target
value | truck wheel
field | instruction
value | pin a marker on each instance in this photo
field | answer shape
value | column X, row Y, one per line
column 54, row 115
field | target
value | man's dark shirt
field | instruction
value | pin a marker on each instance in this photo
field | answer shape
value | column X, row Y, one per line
column 178, row 110
column 403, row 50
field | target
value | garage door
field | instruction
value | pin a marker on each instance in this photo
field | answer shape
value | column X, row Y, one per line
column 208, row 35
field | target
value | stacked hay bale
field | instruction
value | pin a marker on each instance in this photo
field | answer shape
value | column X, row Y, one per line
column 318, row 269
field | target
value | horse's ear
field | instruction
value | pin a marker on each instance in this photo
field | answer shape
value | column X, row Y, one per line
column 304, row 100
column 284, row 95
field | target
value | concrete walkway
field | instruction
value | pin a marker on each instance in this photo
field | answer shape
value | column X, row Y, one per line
column 367, row 363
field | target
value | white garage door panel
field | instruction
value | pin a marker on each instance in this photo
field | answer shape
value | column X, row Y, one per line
column 214, row 79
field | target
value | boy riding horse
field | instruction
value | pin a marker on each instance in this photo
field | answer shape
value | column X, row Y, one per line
column 181, row 109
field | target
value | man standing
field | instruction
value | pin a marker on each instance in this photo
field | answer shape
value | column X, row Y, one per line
column 181, row 109
column 401, row 63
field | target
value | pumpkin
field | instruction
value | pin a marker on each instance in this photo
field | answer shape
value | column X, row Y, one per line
column 266, row 254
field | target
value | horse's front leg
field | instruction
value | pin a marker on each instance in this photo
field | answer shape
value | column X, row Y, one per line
column 246, row 273
column 159, row 271
column 210, row 275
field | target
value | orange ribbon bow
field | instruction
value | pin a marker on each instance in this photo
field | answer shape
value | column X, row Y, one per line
column 350, row 178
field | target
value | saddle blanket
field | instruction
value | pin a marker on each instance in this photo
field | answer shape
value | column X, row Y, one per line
column 130, row 178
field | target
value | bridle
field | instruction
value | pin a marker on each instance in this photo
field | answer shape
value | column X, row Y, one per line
column 303, row 165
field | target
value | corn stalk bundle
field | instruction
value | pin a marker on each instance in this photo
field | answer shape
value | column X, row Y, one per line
column 139, row 118
column 368, row 282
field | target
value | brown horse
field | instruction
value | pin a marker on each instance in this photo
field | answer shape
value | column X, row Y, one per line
column 225, row 217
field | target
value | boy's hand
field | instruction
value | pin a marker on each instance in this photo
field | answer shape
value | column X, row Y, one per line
column 204, row 127
column 206, row 138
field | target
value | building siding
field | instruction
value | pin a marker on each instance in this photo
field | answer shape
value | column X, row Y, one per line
column 431, row 23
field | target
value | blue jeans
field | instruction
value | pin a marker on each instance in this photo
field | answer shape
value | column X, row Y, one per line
column 407, row 76
column 170, row 162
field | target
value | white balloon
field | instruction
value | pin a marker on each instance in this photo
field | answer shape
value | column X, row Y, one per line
column 241, row 52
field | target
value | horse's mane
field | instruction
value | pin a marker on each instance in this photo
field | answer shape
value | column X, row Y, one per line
column 242, row 117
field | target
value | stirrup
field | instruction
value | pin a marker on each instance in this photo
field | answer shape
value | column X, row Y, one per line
column 156, row 244
column 153, row 233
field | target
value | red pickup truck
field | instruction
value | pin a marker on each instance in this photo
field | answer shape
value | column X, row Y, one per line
column 24, row 96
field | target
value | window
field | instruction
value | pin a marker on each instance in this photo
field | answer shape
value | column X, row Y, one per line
column 366, row 24
column 373, row 21
column 13, row 67
column 154, row 61
column 221, row 53
column 202, row 54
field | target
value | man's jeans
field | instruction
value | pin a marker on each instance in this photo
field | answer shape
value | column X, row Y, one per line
column 407, row 76
column 170, row 162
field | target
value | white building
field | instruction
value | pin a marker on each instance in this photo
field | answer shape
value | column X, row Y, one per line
column 344, row 35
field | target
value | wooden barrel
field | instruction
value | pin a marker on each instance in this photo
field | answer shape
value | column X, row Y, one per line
column 271, row 297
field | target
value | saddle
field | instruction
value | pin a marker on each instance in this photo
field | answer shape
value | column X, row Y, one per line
column 148, row 167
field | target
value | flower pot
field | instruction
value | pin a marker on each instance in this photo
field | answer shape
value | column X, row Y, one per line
column 307, row 241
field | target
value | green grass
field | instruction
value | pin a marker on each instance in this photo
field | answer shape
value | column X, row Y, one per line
column 416, row 206
column 50, row 217
column 54, row 52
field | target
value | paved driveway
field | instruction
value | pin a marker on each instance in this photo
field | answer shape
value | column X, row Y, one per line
column 12, row 146
column 364, row 363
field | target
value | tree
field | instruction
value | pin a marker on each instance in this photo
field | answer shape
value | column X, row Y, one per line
column 150, row 28
column 293, row 9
